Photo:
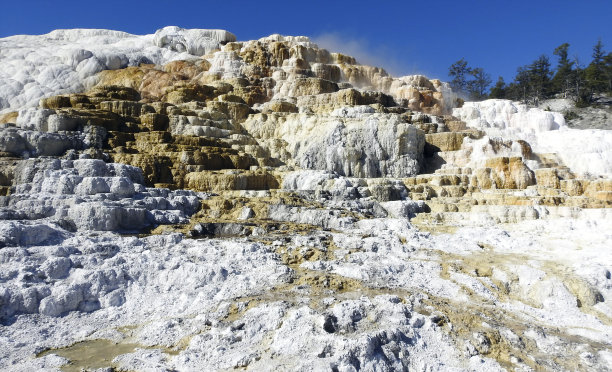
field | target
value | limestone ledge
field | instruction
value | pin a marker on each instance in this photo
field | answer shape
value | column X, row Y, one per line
column 90, row 195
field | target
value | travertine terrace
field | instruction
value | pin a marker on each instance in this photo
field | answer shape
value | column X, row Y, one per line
column 187, row 201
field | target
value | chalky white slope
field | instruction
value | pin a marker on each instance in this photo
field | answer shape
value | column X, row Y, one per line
column 587, row 151
column 66, row 61
column 336, row 278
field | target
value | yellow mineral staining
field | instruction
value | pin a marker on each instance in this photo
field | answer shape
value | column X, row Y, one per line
column 279, row 106
column 152, row 82
column 9, row 117
column 326, row 102
column 339, row 58
column 92, row 354
column 185, row 92
column 99, row 353
column 482, row 265
column 130, row 77
column 150, row 112
column 231, row 180
column 318, row 284
column 235, row 110
column 55, row 102
column 547, row 177
column 480, row 328
column 454, row 125
column 321, row 283
column 599, row 189
column 367, row 77
column 7, row 173
column 500, row 334
column 308, row 87
column 263, row 55
column 237, row 309
column 446, row 141
column 296, row 256
column 187, row 69
column 192, row 124
column 189, row 130
column 502, row 187
column 244, row 210
column 509, row 173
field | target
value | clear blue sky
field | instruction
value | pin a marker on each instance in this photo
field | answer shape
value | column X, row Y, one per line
column 403, row 36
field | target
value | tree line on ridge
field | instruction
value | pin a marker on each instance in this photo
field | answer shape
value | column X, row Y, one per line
column 538, row 80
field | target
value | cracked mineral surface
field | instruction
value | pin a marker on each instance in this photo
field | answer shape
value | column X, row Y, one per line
column 186, row 201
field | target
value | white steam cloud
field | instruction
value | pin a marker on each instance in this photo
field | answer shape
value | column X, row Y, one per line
column 366, row 54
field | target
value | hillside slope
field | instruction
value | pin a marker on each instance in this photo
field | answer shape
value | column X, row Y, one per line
column 187, row 201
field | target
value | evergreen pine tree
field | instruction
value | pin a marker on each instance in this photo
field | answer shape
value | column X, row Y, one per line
column 459, row 71
column 596, row 71
column 477, row 86
column 582, row 94
column 608, row 64
column 562, row 81
column 499, row 90
column 539, row 75
column 518, row 90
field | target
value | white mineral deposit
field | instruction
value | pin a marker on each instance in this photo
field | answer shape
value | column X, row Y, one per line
column 183, row 201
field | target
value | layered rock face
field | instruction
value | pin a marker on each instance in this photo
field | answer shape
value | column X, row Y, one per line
column 352, row 142
column 586, row 152
column 90, row 195
column 187, row 201
column 69, row 61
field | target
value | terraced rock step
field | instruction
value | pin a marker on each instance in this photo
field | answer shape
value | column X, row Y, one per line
column 463, row 190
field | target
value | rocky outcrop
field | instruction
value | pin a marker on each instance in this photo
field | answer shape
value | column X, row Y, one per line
column 69, row 61
column 195, row 42
column 364, row 145
column 90, row 195
column 25, row 142
column 507, row 117
column 587, row 152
